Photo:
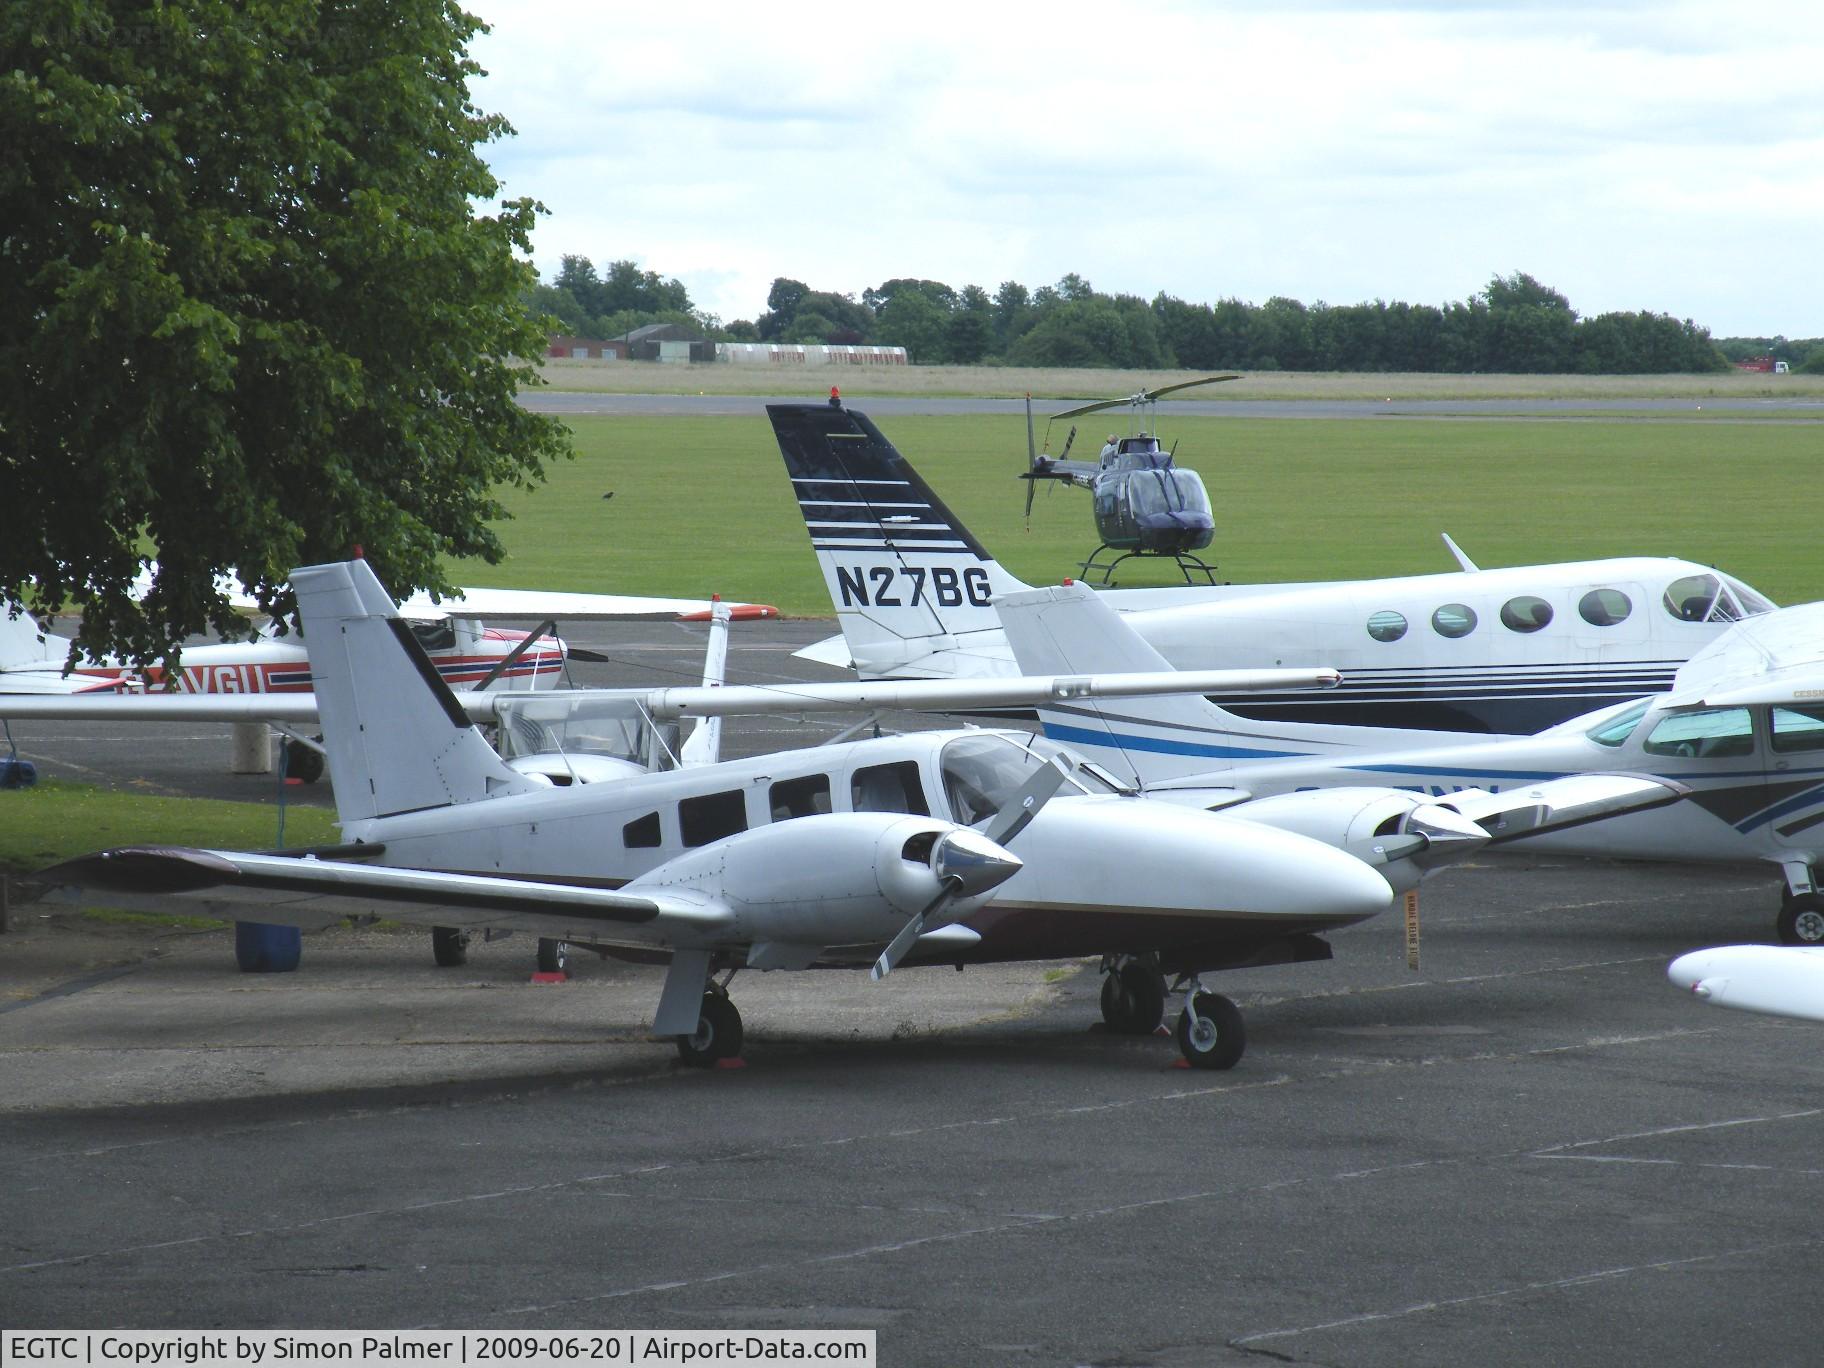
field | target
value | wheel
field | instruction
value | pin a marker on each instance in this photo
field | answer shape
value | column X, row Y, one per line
column 1133, row 998
column 552, row 955
column 449, row 946
column 718, row 1036
column 1801, row 920
column 1144, row 988
column 1210, row 1033
column 300, row 761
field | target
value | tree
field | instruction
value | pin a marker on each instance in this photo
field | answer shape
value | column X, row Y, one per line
column 249, row 316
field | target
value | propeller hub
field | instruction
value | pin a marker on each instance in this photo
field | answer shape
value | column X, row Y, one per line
column 971, row 863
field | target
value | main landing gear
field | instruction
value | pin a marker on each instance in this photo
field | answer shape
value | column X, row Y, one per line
column 449, row 946
column 1210, row 1031
column 718, row 1035
column 1133, row 994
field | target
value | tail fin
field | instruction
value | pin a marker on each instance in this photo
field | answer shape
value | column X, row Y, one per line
column 914, row 591
column 1069, row 630
column 23, row 646
column 396, row 738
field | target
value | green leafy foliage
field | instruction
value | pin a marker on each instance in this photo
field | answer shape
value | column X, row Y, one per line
column 249, row 316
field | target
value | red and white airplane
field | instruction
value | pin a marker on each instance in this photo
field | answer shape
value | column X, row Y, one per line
column 468, row 653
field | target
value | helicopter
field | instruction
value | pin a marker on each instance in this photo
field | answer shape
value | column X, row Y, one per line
column 1144, row 505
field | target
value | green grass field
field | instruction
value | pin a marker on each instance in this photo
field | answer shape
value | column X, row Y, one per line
column 54, row 821
column 702, row 505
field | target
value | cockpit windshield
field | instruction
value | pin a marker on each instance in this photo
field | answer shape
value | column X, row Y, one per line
column 570, row 724
column 1620, row 727
column 1712, row 598
column 982, row 772
column 1167, row 491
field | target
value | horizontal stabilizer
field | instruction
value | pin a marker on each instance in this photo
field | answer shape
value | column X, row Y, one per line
column 291, row 891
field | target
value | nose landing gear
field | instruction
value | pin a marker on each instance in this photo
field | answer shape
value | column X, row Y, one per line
column 1210, row 1030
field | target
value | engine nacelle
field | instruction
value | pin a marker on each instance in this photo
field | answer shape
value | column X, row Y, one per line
column 1404, row 835
column 844, row 878
column 1337, row 816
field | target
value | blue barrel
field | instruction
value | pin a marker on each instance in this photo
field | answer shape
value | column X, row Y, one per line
column 262, row 949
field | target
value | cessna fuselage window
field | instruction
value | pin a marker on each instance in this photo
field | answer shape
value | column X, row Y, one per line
column 641, row 833
column 806, row 797
column 435, row 636
column 889, row 788
column 1708, row 733
column 711, row 816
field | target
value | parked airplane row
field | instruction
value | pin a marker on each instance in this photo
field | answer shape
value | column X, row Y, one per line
column 982, row 845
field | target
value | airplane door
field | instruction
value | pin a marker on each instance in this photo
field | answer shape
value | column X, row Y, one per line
column 1794, row 795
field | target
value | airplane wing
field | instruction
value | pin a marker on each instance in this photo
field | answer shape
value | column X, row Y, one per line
column 949, row 695
column 55, row 683
column 729, row 700
column 563, row 607
column 304, row 891
column 1559, row 804
column 294, row 708
column 1779, row 980
column 1775, row 657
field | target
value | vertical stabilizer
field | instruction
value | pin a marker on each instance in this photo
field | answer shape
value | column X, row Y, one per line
column 914, row 591
column 396, row 738
column 1069, row 630
column 24, row 647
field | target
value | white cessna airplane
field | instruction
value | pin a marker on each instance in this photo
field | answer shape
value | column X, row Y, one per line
column 1506, row 651
column 1742, row 730
column 844, row 855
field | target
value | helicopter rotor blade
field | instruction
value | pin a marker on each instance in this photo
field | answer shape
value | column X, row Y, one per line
column 1149, row 395
column 1143, row 397
column 1069, row 437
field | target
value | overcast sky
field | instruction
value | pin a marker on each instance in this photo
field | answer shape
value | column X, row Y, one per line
column 1664, row 156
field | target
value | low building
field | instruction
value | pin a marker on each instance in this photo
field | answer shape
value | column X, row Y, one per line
column 808, row 354
column 586, row 348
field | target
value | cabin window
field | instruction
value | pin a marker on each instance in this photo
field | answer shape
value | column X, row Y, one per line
column 889, row 788
column 806, row 797
column 1526, row 613
column 982, row 773
column 1604, row 607
column 642, row 833
column 1454, row 620
column 1707, row 734
column 711, row 816
column 1620, row 727
column 1386, row 625
column 435, row 636
column 1798, row 729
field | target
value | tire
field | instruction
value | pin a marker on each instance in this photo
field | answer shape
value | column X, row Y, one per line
column 300, row 762
column 1801, row 920
column 1210, row 1032
column 449, row 946
column 1144, row 988
column 719, row 1034
column 1117, row 1007
column 553, row 955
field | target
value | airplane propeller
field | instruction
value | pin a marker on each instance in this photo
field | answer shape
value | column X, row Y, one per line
column 969, row 863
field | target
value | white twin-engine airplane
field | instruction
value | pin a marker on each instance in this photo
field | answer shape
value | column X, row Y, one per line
column 934, row 848
column 1507, row 651
column 1742, row 730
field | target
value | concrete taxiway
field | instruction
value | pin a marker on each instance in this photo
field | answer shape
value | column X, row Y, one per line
column 1533, row 1150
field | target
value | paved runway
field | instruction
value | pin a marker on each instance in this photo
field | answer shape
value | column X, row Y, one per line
column 575, row 403
column 1533, row 1151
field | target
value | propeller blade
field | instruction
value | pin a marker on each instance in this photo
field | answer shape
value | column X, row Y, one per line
column 908, row 936
column 967, row 864
column 1024, row 805
column 589, row 657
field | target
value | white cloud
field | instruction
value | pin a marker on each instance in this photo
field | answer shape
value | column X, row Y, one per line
column 1661, row 156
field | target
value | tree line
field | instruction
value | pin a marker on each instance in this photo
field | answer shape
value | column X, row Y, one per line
column 1514, row 325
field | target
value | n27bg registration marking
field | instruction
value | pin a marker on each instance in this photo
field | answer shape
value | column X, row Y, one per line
column 948, row 588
